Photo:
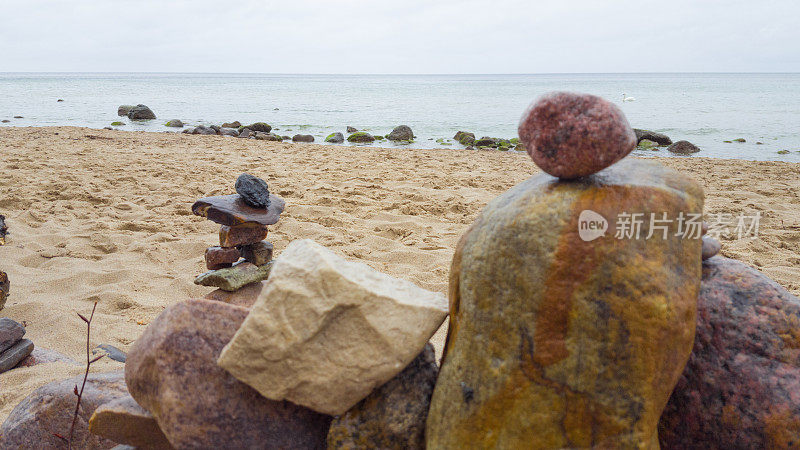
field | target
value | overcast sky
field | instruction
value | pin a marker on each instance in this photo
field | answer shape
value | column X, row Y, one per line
column 411, row 36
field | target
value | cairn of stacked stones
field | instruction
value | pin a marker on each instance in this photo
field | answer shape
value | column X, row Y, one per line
column 244, row 218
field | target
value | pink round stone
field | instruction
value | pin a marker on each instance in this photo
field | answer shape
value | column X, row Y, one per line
column 571, row 135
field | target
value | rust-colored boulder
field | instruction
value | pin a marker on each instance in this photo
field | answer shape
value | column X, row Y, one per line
column 560, row 342
column 570, row 135
column 393, row 415
column 123, row 421
column 741, row 387
column 221, row 257
column 172, row 372
column 48, row 412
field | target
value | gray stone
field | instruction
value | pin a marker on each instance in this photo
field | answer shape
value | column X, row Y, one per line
column 260, row 126
column 401, row 133
column 302, row 138
column 659, row 138
column 10, row 333
column 254, row 190
column 351, row 129
column 335, row 138
column 683, row 148
column 259, row 253
column 710, row 248
column 228, row 132
column 174, row 123
column 123, row 110
column 16, row 353
column 111, row 351
column 141, row 112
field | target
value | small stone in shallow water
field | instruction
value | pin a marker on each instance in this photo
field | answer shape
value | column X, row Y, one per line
column 351, row 129
column 232, row 210
column 711, row 247
column 570, row 135
column 254, row 190
column 10, row 333
column 303, row 138
column 246, row 233
column 221, row 257
column 335, row 138
column 361, row 137
column 401, row 133
column 235, row 277
column 683, row 148
column 259, row 253
column 11, row 357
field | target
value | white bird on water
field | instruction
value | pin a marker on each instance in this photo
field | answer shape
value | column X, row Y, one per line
column 625, row 98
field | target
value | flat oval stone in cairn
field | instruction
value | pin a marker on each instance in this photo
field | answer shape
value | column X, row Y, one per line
column 741, row 387
column 172, row 372
column 254, row 190
column 560, row 342
column 233, row 278
column 571, row 135
column 243, row 234
column 232, row 210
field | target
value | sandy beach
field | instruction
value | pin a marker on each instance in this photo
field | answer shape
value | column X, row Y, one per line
column 98, row 215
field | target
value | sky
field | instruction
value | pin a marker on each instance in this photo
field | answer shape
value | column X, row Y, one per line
column 412, row 36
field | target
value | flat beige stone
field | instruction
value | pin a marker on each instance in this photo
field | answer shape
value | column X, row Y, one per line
column 326, row 331
column 122, row 420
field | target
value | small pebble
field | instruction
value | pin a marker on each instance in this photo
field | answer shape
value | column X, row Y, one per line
column 711, row 247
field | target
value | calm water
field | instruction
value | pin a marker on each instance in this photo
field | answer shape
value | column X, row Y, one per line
column 705, row 109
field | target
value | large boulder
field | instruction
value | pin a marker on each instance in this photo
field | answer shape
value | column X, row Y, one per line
column 562, row 335
column 141, row 112
column 571, row 135
column 172, row 372
column 392, row 416
column 658, row 138
column 48, row 412
column 401, row 133
column 260, row 126
column 683, row 148
column 326, row 331
column 741, row 387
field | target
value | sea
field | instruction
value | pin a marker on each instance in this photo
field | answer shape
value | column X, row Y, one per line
column 706, row 109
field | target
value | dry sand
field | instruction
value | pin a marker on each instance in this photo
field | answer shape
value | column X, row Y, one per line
column 104, row 216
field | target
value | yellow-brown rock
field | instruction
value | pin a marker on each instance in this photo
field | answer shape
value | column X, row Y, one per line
column 124, row 421
column 557, row 342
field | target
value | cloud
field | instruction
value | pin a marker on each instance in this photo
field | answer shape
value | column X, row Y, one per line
column 414, row 36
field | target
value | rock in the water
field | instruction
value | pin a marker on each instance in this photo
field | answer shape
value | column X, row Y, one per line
column 261, row 136
column 326, row 331
column 558, row 340
column 647, row 144
column 464, row 137
column 14, row 354
column 245, row 296
column 658, row 138
column 141, row 112
column 228, row 132
column 259, row 253
column 711, row 247
column 172, row 372
column 48, row 411
column 232, row 210
column 361, row 137
column 683, row 148
column 335, row 138
column 122, row 420
column 221, row 257
column 302, row 138
column 234, row 124
column 111, row 352
column 260, row 126
column 204, row 130
column 245, row 133
column 242, row 234
column 123, row 110
column 393, row 415
column 571, row 135
column 233, row 278
column 485, row 142
column 741, row 387
column 174, row 123
column 351, row 129
column 254, row 190
column 45, row 356
column 10, row 333
column 401, row 133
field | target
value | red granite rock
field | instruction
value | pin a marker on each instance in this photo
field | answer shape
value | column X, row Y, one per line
column 172, row 372
column 741, row 387
column 232, row 210
column 243, row 234
column 571, row 135
column 221, row 257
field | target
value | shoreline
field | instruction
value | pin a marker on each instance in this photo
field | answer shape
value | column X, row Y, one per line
column 98, row 215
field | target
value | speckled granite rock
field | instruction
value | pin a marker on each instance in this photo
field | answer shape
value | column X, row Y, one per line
column 172, row 372
column 741, row 387
column 326, row 331
column 48, row 411
column 123, row 421
column 571, row 135
column 232, row 210
column 393, row 415
column 557, row 342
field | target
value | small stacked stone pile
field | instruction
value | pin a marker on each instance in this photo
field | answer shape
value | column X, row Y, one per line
column 244, row 218
column 13, row 348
